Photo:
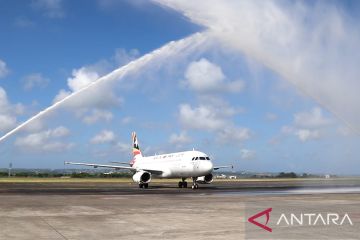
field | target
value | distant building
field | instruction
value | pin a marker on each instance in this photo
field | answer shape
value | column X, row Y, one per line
column 232, row 177
column 327, row 176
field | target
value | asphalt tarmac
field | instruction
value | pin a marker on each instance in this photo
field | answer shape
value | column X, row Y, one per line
column 217, row 187
column 216, row 211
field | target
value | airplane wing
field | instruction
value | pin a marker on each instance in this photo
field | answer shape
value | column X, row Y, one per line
column 228, row 166
column 124, row 163
column 95, row 165
column 100, row 165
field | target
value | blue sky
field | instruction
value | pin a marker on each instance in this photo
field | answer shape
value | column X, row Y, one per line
column 256, row 98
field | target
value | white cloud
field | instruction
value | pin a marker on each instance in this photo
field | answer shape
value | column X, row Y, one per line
column 312, row 119
column 204, row 76
column 313, row 46
column 180, row 139
column 218, row 104
column 213, row 119
column 307, row 134
column 234, row 135
column 8, row 112
column 3, row 69
column 98, row 115
column 213, row 113
column 91, row 103
column 45, row 141
column 82, row 77
column 302, row 134
column 113, row 145
column 122, row 56
column 202, row 117
column 60, row 132
column 50, row 8
column 247, row 154
column 61, row 95
column 104, row 136
column 308, row 125
column 35, row 126
column 7, row 122
column 34, row 80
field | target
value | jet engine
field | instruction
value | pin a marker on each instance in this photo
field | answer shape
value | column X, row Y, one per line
column 142, row 177
column 205, row 179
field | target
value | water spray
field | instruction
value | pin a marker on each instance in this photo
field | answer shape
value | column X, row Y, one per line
column 172, row 47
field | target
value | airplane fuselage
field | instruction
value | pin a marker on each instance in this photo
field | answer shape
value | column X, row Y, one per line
column 177, row 165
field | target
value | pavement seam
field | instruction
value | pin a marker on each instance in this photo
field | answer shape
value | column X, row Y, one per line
column 53, row 228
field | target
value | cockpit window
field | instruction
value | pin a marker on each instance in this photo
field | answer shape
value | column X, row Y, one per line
column 200, row 158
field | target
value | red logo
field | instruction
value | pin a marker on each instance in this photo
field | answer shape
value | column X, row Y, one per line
column 265, row 212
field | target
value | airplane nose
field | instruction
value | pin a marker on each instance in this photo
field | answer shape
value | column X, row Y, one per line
column 207, row 166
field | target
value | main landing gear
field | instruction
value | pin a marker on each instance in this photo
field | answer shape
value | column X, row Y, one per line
column 183, row 183
column 143, row 185
column 194, row 184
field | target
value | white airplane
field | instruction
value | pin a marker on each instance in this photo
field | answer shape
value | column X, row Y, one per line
column 189, row 164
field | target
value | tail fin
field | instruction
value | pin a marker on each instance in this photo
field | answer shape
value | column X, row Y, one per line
column 136, row 149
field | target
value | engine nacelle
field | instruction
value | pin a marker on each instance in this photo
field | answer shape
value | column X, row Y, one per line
column 205, row 179
column 142, row 177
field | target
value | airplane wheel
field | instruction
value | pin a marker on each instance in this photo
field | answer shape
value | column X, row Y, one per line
column 185, row 184
column 195, row 186
column 146, row 185
column 180, row 185
column 141, row 185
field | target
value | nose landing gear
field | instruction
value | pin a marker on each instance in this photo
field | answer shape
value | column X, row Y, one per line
column 194, row 184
